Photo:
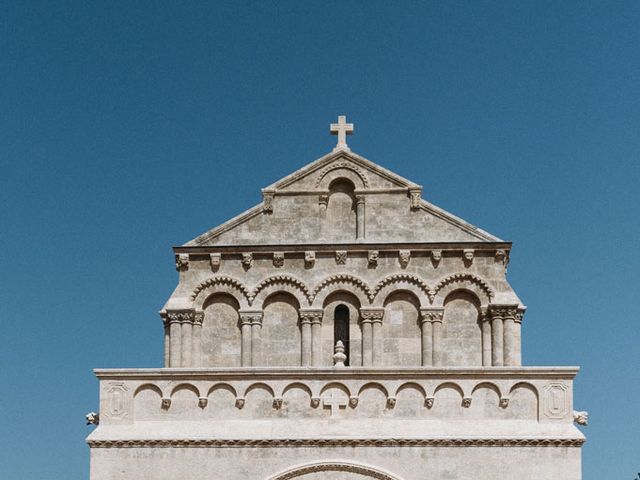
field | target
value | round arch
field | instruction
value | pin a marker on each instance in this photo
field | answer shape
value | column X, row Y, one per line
column 280, row 283
column 398, row 282
column 334, row 466
column 215, row 285
column 465, row 282
column 341, row 283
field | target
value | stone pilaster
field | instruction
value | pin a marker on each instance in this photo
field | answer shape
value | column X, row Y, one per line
column 167, row 340
column 428, row 317
column 373, row 316
column 517, row 333
column 310, row 321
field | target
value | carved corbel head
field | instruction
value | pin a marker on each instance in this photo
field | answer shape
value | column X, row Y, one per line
column 278, row 259
column 247, row 260
column 277, row 403
column 467, row 256
column 372, row 258
column 182, row 262
column 309, row 259
column 353, row 402
column 436, row 256
column 315, row 402
column 466, row 402
column 214, row 259
column 391, row 402
column 267, row 201
column 404, row 255
column 240, row 403
column 202, row 402
column 165, row 403
column 504, row 402
column 429, row 402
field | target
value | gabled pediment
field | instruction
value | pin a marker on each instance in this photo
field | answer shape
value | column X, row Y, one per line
column 371, row 204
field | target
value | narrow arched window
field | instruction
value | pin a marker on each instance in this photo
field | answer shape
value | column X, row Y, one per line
column 341, row 328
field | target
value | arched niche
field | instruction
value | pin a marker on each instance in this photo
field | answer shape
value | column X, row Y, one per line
column 340, row 222
column 347, row 304
column 221, row 338
column 281, row 337
column 462, row 334
column 401, row 333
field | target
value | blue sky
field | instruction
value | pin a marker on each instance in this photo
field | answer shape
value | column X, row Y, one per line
column 127, row 128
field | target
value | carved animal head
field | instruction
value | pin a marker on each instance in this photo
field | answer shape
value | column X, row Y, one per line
column 581, row 418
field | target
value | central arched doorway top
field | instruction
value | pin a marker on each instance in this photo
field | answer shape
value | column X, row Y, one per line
column 359, row 471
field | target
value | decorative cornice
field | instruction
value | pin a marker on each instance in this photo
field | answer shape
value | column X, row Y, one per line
column 338, row 442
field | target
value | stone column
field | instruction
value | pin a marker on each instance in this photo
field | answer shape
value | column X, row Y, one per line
column 175, row 318
column 497, row 336
column 187, row 343
column 196, row 356
column 167, row 340
column 246, row 318
column 314, row 316
column 518, row 335
column 359, row 217
column 486, row 339
column 509, row 334
column 256, row 338
column 374, row 315
column 306, row 321
column 367, row 342
column 436, row 317
column 427, row 317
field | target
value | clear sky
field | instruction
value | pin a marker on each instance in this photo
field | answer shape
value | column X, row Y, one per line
column 130, row 127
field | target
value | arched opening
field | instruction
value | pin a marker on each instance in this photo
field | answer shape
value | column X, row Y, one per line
column 341, row 217
column 221, row 337
column 280, row 335
column 341, row 328
column 462, row 335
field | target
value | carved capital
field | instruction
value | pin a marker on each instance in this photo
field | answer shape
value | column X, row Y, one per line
column 502, row 312
column 404, row 255
column 278, row 259
column 360, row 199
column 414, row 196
column 520, row 313
column 267, row 200
column 310, row 315
column 182, row 262
column 341, row 257
column 198, row 318
column 309, row 259
column 250, row 317
column 215, row 260
column 177, row 316
column 372, row 314
column 431, row 314
column 323, row 199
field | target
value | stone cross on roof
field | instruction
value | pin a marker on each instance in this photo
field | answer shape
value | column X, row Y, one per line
column 341, row 129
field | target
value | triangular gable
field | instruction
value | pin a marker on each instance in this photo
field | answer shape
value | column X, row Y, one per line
column 269, row 222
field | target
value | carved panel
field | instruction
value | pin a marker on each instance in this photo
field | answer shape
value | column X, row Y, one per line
column 556, row 400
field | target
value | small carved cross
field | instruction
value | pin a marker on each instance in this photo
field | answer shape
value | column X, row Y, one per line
column 341, row 129
column 335, row 402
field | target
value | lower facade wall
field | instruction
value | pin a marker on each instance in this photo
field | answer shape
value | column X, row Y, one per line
column 337, row 463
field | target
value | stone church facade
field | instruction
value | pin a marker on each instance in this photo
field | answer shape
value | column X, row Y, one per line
column 344, row 328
